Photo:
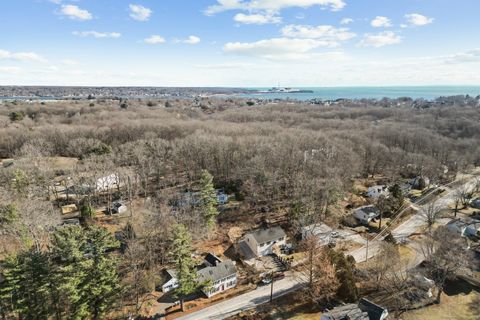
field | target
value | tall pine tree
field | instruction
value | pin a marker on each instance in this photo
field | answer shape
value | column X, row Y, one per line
column 86, row 273
column 208, row 199
column 181, row 254
column 25, row 290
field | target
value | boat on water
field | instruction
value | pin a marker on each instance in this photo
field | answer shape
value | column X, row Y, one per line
column 285, row 90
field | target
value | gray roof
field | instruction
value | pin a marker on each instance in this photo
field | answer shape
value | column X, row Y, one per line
column 374, row 311
column 347, row 312
column 220, row 271
column 172, row 273
column 317, row 229
column 212, row 259
column 245, row 251
column 370, row 210
column 265, row 235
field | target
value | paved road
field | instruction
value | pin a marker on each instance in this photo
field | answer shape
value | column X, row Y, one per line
column 410, row 226
column 245, row 301
column 261, row 295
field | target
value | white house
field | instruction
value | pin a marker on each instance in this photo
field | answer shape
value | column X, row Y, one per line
column 319, row 230
column 261, row 242
column 376, row 191
column 366, row 214
column 465, row 227
column 172, row 282
column 106, row 183
column 222, row 276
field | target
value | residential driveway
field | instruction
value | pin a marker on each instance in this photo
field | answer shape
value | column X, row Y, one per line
column 351, row 236
column 245, row 301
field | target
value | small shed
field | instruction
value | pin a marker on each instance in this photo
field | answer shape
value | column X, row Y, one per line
column 69, row 208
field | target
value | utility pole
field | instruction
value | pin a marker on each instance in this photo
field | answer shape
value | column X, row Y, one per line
column 271, row 289
column 366, row 255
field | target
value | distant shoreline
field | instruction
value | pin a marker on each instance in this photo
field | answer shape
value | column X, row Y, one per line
column 54, row 93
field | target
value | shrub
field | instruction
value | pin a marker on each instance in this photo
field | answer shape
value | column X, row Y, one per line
column 17, row 116
column 87, row 211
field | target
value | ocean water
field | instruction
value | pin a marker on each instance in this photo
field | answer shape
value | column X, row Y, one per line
column 332, row 93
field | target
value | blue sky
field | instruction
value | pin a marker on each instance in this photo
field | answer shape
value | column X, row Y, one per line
column 240, row 42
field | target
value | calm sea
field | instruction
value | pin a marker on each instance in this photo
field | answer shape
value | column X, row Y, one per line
column 332, row 93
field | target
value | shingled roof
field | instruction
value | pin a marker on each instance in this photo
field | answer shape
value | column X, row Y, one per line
column 375, row 312
column 220, row 271
column 346, row 312
column 265, row 235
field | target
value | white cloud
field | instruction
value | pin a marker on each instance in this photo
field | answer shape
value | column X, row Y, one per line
column 222, row 66
column 380, row 22
column 464, row 57
column 271, row 5
column 191, row 40
column 416, row 19
column 97, row 34
column 21, row 56
column 56, row 1
column 10, row 70
column 380, row 39
column 346, row 21
column 75, row 13
column 257, row 18
column 69, row 62
column 155, row 39
column 326, row 33
column 139, row 13
column 276, row 48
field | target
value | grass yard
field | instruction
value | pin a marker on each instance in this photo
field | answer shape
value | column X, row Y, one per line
column 461, row 303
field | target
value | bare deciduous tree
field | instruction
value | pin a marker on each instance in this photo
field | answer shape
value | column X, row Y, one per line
column 431, row 212
column 446, row 254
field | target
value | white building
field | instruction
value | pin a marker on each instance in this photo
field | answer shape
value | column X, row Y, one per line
column 261, row 242
column 376, row 191
column 106, row 183
column 366, row 214
column 172, row 282
column 222, row 276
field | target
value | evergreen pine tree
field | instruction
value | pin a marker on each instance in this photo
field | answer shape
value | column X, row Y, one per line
column 208, row 199
column 25, row 289
column 181, row 254
column 345, row 267
column 86, row 273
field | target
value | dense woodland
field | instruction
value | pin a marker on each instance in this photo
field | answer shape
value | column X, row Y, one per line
column 295, row 158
